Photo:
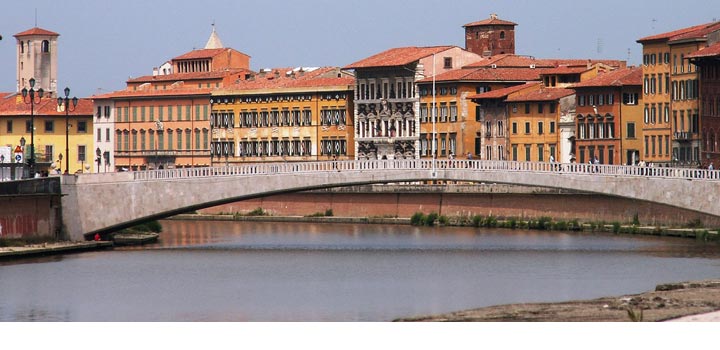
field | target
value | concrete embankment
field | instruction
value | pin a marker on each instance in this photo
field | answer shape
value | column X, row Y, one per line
column 45, row 249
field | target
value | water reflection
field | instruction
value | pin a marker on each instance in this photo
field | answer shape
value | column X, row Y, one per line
column 247, row 271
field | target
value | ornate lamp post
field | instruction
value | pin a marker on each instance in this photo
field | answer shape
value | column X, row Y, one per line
column 67, row 101
column 32, row 93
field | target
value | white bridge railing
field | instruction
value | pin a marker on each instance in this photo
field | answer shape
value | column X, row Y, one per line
column 255, row 169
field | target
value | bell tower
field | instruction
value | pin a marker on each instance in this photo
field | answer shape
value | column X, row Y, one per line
column 490, row 37
column 37, row 58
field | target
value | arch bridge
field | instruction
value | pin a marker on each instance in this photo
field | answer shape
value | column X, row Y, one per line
column 95, row 203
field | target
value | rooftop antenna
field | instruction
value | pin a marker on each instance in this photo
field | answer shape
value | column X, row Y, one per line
column 36, row 17
column 653, row 23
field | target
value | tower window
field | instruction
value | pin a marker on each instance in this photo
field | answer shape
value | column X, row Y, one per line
column 45, row 46
column 502, row 35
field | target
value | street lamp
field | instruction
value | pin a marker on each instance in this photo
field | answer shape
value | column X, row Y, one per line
column 25, row 93
column 66, row 101
column 98, row 153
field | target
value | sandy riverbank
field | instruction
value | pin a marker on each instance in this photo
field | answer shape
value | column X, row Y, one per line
column 700, row 300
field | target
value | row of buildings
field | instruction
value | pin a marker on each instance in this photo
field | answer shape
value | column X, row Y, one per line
column 208, row 108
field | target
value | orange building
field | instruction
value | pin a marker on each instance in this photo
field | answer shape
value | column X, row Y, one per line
column 299, row 114
column 533, row 118
column 670, row 87
column 163, row 120
column 608, row 114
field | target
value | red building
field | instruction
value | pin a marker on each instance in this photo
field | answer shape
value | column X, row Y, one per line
column 708, row 61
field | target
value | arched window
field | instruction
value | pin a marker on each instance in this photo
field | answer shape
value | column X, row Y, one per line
column 502, row 35
column 22, row 47
column 45, row 47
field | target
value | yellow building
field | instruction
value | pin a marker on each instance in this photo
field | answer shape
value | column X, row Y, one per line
column 290, row 114
column 49, row 136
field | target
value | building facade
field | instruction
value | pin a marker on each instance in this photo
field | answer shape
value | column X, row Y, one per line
column 601, row 117
column 671, row 125
column 162, row 121
column 278, row 115
column 708, row 62
column 44, row 124
column 387, row 98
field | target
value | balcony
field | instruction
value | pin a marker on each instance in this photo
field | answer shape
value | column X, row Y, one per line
column 682, row 136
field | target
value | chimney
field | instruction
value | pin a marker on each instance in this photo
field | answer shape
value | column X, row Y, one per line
column 493, row 16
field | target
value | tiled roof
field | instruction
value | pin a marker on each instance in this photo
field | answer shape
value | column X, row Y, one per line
column 550, row 94
column 397, row 57
column 509, row 61
column 288, row 78
column 566, row 70
column 493, row 20
column 670, row 35
column 710, row 51
column 188, row 76
column 697, row 34
column 201, row 53
column 488, row 74
column 502, row 93
column 36, row 31
column 12, row 105
column 125, row 94
column 620, row 77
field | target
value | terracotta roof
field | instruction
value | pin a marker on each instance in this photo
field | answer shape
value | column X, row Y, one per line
column 697, row 34
column 12, row 105
column 188, row 76
column 397, row 57
column 566, row 70
column 502, row 93
column 488, row 74
column 145, row 93
column 670, row 35
column 203, row 53
column 710, row 51
column 620, row 77
column 542, row 95
column 509, row 61
column 36, row 31
column 288, row 78
column 493, row 20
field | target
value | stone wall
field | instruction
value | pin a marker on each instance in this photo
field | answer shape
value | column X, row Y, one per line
column 497, row 200
column 30, row 208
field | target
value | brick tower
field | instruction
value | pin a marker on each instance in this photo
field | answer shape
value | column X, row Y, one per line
column 490, row 37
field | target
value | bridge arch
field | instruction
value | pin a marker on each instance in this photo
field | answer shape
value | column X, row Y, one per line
column 102, row 202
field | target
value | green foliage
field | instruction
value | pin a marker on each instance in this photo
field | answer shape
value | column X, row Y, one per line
column 636, row 220
column 257, row 212
column 491, row 221
column 616, row 227
column 329, row 212
column 444, row 220
column 417, row 219
column 431, row 218
column 560, row 226
column 477, row 220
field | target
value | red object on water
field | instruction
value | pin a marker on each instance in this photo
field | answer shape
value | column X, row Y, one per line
column 97, row 236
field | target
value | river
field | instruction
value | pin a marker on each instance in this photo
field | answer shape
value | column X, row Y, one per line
column 246, row 271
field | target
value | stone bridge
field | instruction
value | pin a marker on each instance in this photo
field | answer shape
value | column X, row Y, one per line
column 94, row 203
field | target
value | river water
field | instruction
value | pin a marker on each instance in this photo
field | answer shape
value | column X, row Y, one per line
column 245, row 271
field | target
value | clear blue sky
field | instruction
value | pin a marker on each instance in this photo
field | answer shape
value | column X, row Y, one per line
column 102, row 43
